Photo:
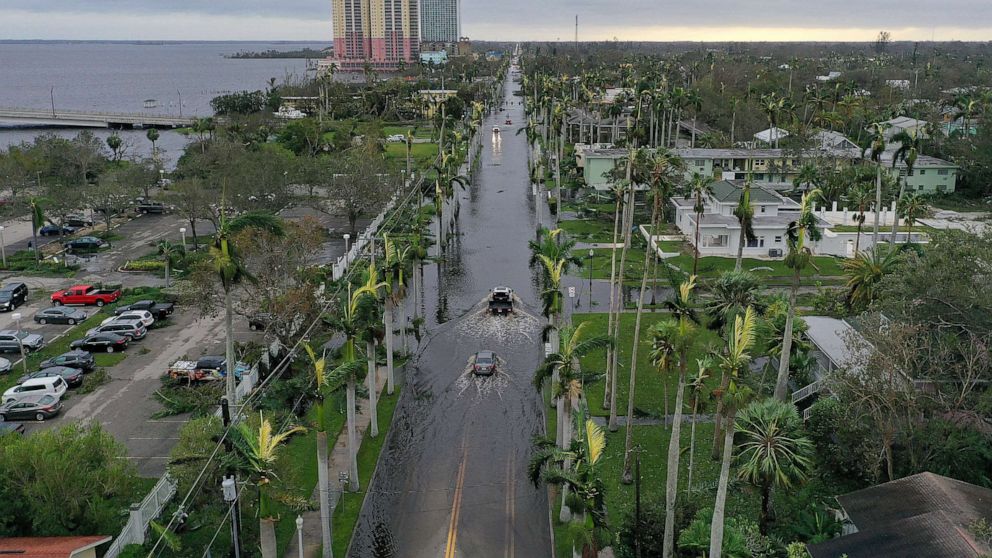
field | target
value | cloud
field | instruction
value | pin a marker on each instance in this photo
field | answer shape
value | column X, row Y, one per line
column 707, row 20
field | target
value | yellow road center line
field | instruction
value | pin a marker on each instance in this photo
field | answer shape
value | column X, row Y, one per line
column 456, row 504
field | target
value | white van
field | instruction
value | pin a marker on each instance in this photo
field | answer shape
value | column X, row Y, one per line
column 36, row 387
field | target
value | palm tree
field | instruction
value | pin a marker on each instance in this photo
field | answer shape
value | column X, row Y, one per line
column 258, row 446
column 734, row 363
column 865, row 272
column 562, row 368
column 699, row 188
column 731, row 294
column 153, row 135
column 907, row 153
column 320, row 384
column 695, row 102
column 226, row 263
column 371, row 327
column 170, row 253
column 800, row 256
column 395, row 273
column 609, row 397
column 581, row 477
column 671, row 339
column 698, row 386
column 860, row 197
column 772, row 453
column 877, row 148
column 350, row 370
column 745, row 218
column 808, row 176
column 774, row 106
column 913, row 209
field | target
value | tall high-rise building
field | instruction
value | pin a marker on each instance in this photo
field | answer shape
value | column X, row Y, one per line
column 440, row 21
column 380, row 33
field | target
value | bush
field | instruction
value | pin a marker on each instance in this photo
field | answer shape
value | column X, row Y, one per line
column 845, row 447
column 145, row 265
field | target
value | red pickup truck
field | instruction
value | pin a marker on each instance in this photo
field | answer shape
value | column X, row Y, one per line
column 85, row 295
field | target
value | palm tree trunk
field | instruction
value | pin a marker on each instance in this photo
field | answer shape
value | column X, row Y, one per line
column 895, row 214
column 372, row 377
column 857, row 240
column 267, row 536
column 878, row 205
column 740, row 249
column 628, row 439
column 167, row 273
column 610, row 377
column 692, row 443
column 229, row 380
column 782, row 383
column 617, row 303
column 672, row 474
column 718, row 422
column 719, row 508
column 695, row 251
column 324, row 491
column 387, row 318
column 353, row 484
column 565, row 514
column 765, row 512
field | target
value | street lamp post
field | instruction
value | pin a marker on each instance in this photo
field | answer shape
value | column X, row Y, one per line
column 20, row 342
column 299, row 534
column 589, row 264
column 347, row 237
column 3, row 247
column 182, row 231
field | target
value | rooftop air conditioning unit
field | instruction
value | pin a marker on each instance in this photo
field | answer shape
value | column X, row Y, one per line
column 775, row 253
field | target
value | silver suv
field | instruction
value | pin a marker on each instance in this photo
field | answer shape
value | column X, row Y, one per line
column 132, row 329
column 11, row 341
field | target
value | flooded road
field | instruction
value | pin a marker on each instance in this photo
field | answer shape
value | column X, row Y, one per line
column 453, row 476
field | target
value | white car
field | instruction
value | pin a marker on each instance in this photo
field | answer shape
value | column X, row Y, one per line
column 36, row 387
column 396, row 138
column 143, row 316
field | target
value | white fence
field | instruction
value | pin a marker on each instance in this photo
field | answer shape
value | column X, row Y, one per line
column 142, row 514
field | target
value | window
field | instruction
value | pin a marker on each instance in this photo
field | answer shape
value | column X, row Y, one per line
column 762, row 208
column 700, row 163
column 942, row 172
column 715, row 240
column 759, row 162
column 758, row 242
column 922, row 172
column 778, row 240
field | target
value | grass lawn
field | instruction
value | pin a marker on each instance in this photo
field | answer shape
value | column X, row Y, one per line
column 713, row 266
column 588, row 230
column 423, row 154
column 650, row 390
column 601, row 265
column 866, row 230
column 350, row 505
column 421, row 130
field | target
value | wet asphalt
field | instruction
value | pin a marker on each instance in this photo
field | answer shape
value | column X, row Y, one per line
column 452, row 480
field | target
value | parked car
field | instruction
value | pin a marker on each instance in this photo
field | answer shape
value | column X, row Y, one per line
column 13, row 295
column 46, row 406
column 103, row 342
column 396, row 138
column 78, row 220
column 53, row 230
column 11, row 341
column 160, row 310
column 146, row 206
column 484, row 363
column 73, row 376
column 130, row 329
column 4, row 366
column 142, row 316
column 74, row 359
column 60, row 315
column 86, row 295
column 84, row 244
column 36, row 387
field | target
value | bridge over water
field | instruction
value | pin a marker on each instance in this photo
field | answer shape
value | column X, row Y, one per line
column 89, row 119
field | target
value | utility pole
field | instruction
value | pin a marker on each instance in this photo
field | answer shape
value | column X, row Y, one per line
column 52, row 92
column 637, row 505
column 230, row 484
column 576, row 31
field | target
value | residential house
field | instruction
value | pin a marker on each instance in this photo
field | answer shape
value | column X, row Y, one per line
column 832, row 346
column 829, row 77
column 905, row 124
column 52, row 547
column 921, row 515
column 829, row 140
column 431, row 98
column 930, row 174
column 897, row 83
column 719, row 230
column 771, row 136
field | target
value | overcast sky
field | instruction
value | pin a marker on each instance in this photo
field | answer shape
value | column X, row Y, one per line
column 657, row 20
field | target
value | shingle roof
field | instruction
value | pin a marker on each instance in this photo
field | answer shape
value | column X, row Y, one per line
column 49, row 547
column 920, row 515
column 726, row 191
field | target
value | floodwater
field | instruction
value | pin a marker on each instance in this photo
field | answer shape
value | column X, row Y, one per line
column 453, row 476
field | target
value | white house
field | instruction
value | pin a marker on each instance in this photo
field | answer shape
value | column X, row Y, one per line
column 905, row 124
column 771, row 135
column 719, row 231
column 829, row 77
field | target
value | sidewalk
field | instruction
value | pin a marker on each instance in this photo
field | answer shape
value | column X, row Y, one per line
column 336, row 461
